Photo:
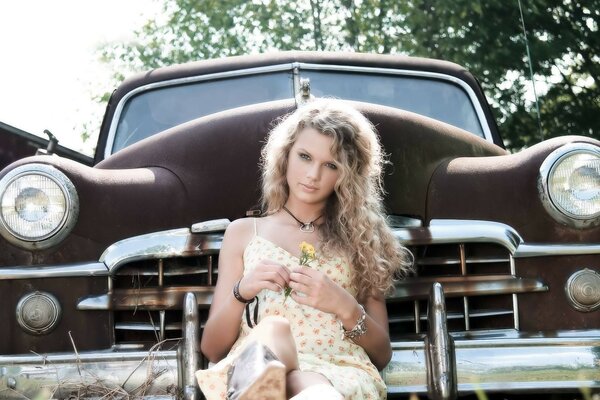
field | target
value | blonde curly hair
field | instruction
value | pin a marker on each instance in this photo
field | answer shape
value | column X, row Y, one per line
column 355, row 224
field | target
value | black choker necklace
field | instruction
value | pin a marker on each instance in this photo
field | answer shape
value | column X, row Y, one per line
column 306, row 227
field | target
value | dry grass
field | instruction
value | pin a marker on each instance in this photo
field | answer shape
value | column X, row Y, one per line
column 86, row 385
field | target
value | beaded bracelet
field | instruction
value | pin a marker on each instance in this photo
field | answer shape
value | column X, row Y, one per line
column 238, row 296
column 359, row 329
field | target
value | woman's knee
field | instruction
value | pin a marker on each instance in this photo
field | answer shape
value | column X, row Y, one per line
column 275, row 333
column 299, row 381
column 274, row 325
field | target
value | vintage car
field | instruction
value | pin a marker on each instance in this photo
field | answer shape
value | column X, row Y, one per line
column 107, row 272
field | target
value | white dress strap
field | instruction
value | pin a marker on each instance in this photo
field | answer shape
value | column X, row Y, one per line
column 255, row 231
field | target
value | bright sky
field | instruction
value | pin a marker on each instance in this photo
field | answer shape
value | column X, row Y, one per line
column 49, row 71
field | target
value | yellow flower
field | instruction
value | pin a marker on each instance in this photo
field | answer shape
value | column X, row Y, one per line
column 307, row 254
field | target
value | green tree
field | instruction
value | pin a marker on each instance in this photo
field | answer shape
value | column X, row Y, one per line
column 487, row 38
column 484, row 36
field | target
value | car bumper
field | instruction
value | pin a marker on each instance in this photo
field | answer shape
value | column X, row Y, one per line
column 507, row 364
column 439, row 364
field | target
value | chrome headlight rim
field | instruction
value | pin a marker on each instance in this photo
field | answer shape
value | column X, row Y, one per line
column 558, row 213
column 66, row 224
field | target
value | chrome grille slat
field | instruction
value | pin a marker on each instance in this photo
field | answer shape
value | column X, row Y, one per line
column 179, row 272
column 490, row 313
column 140, row 326
column 456, row 261
column 472, row 314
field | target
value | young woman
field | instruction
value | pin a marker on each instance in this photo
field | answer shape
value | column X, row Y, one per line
column 317, row 328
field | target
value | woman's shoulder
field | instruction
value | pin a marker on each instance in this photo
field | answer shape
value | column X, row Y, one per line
column 237, row 235
column 244, row 229
column 240, row 228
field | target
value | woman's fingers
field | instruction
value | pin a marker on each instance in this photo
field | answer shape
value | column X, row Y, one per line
column 276, row 276
column 303, row 274
column 273, row 286
column 299, row 287
column 268, row 275
column 267, row 265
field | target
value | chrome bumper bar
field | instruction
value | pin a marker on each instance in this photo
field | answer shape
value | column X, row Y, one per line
column 440, row 364
column 502, row 365
column 94, row 374
column 445, row 365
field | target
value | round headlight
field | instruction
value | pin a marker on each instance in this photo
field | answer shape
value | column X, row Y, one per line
column 38, row 206
column 570, row 184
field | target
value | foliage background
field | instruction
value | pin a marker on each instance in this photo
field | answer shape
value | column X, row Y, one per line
column 486, row 37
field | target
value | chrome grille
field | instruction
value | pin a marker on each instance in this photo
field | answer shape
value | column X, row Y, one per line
column 479, row 286
column 148, row 296
column 151, row 274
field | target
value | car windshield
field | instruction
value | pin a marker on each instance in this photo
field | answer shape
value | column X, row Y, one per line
column 162, row 107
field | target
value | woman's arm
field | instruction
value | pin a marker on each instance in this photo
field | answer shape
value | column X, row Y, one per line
column 224, row 318
column 376, row 341
column 223, row 325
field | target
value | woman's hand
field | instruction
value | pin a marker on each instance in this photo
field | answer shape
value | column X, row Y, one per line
column 266, row 275
column 314, row 288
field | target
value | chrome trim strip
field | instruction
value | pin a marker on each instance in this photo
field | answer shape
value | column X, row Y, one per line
column 121, row 372
column 93, row 303
column 172, row 243
column 568, row 361
column 291, row 67
column 441, row 231
column 472, row 285
column 54, row 271
column 453, row 230
column 540, row 250
column 441, row 366
column 153, row 298
column 190, row 353
column 150, row 246
column 180, row 242
column 401, row 221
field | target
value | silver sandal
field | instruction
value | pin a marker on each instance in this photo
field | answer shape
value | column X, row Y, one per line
column 256, row 374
